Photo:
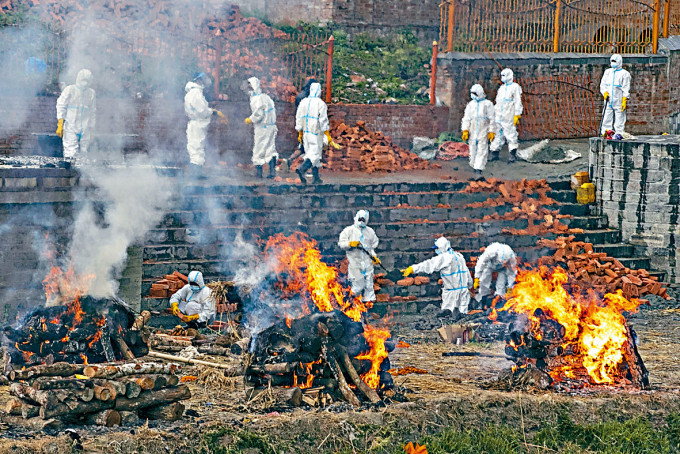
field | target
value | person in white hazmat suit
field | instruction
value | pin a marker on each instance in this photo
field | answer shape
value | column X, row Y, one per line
column 194, row 303
column 263, row 119
column 311, row 122
column 479, row 127
column 509, row 110
column 499, row 258
column 615, row 89
column 456, row 278
column 76, row 116
column 359, row 241
column 200, row 113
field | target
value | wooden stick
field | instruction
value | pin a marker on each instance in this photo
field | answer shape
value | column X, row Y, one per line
column 342, row 383
column 191, row 361
column 107, row 418
column 117, row 339
column 52, row 370
column 169, row 412
column 153, row 398
column 360, row 384
column 122, row 370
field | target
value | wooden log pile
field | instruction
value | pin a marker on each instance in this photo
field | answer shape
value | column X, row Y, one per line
column 106, row 395
column 598, row 271
column 370, row 151
column 314, row 361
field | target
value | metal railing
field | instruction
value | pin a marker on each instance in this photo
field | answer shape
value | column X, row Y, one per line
column 590, row 26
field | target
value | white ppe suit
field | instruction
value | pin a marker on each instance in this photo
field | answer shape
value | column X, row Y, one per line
column 456, row 279
column 77, row 105
column 197, row 300
column 508, row 106
column 499, row 258
column 199, row 112
column 264, row 123
column 312, row 119
column 616, row 82
column 479, row 119
column 360, row 269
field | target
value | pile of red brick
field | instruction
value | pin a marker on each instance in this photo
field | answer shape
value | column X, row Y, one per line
column 597, row 271
column 171, row 283
column 370, row 151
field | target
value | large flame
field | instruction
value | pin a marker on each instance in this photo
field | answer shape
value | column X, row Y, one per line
column 595, row 327
column 298, row 257
column 64, row 287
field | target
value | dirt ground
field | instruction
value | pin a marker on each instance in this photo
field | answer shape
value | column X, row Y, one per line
column 450, row 395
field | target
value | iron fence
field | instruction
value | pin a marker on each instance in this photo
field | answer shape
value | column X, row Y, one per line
column 590, row 26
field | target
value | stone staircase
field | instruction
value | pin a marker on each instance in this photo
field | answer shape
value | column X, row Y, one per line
column 200, row 233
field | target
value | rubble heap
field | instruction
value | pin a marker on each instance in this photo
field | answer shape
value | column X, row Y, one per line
column 369, row 151
column 599, row 272
column 105, row 395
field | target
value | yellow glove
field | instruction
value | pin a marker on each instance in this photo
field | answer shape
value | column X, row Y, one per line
column 330, row 141
column 491, row 136
column 175, row 309
column 191, row 318
column 516, row 120
column 475, row 284
column 465, row 135
column 606, row 95
column 624, row 103
column 300, row 136
column 354, row 244
column 60, row 128
column 376, row 260
column 248, row 121
column 223, row 118
column 407, row 272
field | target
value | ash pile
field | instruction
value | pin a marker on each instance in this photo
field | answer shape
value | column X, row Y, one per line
column 320, row 359
column 51, row 396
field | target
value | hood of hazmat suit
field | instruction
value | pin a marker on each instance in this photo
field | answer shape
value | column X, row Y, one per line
column 507, row 76
column 616, row 61
column 197, row 277
column 315, row 90
column 84, row 79
column 361, row 219
column 191, row 86
column 254, row 83
column 477, row 92
column 441, row 245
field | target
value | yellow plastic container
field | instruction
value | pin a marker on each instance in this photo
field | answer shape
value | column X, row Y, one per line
column 579, row 179
column 586, row 194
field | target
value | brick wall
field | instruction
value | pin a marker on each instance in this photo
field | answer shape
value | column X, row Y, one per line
column 654, row 90
column 288, row 11
column 637, row 188
column 162, row 123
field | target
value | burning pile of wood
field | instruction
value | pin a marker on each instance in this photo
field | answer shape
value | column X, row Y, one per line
column 599, row 272
column 85, row 330
column 322, row 358
column 369, row 151
column 574, row 341
column 529, row 199
column 105, row 395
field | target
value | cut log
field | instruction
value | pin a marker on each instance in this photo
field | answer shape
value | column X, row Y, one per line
column 369, row 392
column 129, row 418
column 103, row 393
column 45, row 383
column 29, row 411
column 152, row 398
column 106, row 418
column 277, row 368
column 132, row 389
column 342, row 383
column 170, row 412
column 122, row 370
column 28, row 393
column 122, row 347
column 75, row 408
column 189, row 361
column 13, row 406
column 284, row 396
column 35, row 425
column 117, row 388
column 240, row 347
column 145, row 382
column 51, row 370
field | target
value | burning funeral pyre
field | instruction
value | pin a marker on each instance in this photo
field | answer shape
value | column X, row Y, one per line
column 73, row 328
column 574, row 341
column 321, row 343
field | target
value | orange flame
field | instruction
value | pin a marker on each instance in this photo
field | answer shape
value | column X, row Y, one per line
column 595, row 326
column 65, row 286
column 84, row 358
column 376, row 338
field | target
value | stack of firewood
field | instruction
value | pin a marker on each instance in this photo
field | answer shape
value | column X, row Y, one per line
column 106, row 395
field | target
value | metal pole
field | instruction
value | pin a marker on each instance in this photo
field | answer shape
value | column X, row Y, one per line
column 329, row 69
column 433, row 75
column 556, row 37
column 655, row 26
column 449, row 31
column 666, row 18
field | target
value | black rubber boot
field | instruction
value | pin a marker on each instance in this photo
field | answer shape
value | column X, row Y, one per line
column 494, row 156
column 302, row 170
column 272, row 168
column 315, row 172
column 258, row 171
column 513, row 156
